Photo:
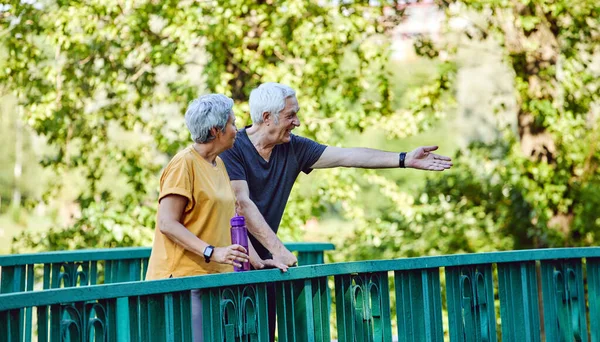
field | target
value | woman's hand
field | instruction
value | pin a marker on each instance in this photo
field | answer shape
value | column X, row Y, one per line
column 231, row 255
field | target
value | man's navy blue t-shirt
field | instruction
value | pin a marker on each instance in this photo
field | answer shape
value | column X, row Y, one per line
column 270, row 182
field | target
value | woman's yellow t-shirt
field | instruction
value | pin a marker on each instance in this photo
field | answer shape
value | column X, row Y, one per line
column 210, row 206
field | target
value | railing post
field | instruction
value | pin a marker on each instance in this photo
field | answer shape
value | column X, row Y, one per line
column 564, row 300
column 11, row 326
column 235, row 313
column 419, row 305
column 593, row 273
column 303, row 310
column 363, row 307
column 470, row 298
column 519, row 304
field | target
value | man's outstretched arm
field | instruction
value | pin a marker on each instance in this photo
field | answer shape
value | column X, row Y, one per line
column 420, row 158
column 258, row 227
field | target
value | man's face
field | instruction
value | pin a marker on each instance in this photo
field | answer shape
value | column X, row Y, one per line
column 228, row 136
column 288, row 120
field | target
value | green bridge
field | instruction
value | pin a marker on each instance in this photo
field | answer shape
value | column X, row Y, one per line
column 531, row 295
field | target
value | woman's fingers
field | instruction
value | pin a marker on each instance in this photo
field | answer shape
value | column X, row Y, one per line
column 239, row 248
column 237, row 253
column 232, row 255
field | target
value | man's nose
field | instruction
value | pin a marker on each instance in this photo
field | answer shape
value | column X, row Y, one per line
column 296, row 122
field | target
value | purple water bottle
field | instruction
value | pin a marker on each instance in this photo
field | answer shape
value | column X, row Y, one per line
column 239, row 236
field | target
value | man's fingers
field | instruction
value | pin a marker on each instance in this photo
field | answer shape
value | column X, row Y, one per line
column 270, row 263
column 443, row 163
column 429, row 148
column 258, row 265
column 439, row 157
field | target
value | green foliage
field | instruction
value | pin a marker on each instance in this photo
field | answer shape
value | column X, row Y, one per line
column 89, row 74
column 106, row 84
column 536, row 187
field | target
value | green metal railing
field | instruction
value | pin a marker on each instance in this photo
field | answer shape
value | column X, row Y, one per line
column 234, row 304
column 28, row 272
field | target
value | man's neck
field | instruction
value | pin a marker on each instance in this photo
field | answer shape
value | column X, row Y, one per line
column 261, row 139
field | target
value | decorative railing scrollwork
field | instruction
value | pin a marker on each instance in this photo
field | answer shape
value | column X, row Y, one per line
column 236, row 313
column 470, row 296
column 564, row 301
column 234, row 305
column 73, row 274
column 363, row 307
column 77, row 323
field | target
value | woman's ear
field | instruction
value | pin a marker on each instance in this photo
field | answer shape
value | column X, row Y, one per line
column 214, row 131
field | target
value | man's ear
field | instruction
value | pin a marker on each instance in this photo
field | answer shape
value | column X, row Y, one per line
column 267, row 118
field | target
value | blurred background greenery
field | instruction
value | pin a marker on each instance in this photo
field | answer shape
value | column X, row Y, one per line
column 93, row 96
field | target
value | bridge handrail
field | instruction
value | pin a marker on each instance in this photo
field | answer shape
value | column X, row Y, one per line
column 119, row 253
column 554, row 290
column 151, row 287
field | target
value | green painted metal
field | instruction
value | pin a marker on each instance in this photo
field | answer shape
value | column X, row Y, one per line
column 124, row 254
column 103, row 266
column 12, row 279
column 593, row 286
column 235, row 314
column 519, row 304
column 310, row 258
column 419, row 305
column 100, row 266
column 235, row 303
column 363, row 307
column 564, row 300
column 10, row 322
column 470, row 299
column 164, row 317
column 303, row 310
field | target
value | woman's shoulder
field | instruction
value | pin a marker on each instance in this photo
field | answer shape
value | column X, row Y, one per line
column 183, row 157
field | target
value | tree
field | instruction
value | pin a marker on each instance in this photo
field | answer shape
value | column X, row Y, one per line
column 106, row 84
column 88, row 74
column 535, row 186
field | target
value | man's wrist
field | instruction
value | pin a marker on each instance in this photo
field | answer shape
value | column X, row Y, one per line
column 402, row 160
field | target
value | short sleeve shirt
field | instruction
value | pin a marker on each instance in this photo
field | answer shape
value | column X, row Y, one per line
column 210, row 206
column 270, row 182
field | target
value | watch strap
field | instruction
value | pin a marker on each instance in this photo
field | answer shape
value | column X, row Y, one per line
column 208, row 252
column 401, row 160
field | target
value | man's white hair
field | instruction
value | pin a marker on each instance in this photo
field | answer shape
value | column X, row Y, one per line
column 269, row 97
column 206, row 112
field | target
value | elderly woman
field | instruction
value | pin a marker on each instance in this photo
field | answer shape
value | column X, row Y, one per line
column 196, row 202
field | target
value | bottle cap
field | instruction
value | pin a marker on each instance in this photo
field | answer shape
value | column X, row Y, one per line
column 237, row 221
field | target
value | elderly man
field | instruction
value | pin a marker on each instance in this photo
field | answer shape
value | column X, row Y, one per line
column 267, row 158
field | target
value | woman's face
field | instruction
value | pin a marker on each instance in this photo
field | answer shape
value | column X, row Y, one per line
column 227, row 137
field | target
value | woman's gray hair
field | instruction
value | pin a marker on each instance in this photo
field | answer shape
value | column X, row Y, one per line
column 206, row 112
column 268, row 97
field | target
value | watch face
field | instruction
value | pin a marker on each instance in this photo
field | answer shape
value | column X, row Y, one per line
column 208, row 251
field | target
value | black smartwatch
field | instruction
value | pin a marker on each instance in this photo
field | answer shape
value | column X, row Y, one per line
column 208, row 252
column 402, row 157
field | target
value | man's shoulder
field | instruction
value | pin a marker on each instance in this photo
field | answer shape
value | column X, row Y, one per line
column 298, row 139
column 239, row 146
